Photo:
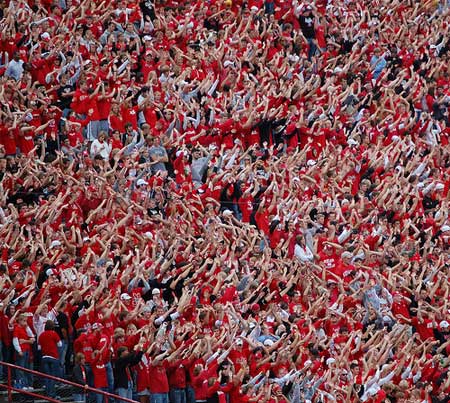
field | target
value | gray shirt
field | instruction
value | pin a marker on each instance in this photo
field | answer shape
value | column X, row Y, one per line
column 14, row 69
column 158, row 151
column 198, row 168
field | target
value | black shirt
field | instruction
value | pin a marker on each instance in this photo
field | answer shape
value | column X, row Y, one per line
column 63, row 323
column 307, row 26
column 64, row 102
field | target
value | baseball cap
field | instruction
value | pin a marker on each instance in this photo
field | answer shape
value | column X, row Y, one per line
column 444, row 324
column 156, row 291
column 125, row 296
column 347, row 255
column 55, row 243
column 141, row 182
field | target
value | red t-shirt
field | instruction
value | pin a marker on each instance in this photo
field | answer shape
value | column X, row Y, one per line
column 143, row 374
column 424, row 328
column 21, row 333
column 158, row 378
column 48, row 341
column 99, row 372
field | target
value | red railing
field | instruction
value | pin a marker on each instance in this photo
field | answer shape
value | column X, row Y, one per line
column 86, row 389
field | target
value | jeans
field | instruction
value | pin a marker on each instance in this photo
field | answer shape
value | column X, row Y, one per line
column 23, row 378
column 190, row 395
column 177, row 395
column 62, row 356
column 90, row 381
column 50, row 366
column 99, row 397
column 110, row 377
column 159, row 398
column 79, row 397
column 312, row 48
column 127, row 393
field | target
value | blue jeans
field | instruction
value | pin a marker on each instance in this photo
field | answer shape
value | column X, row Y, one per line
column 90, row 397
column 159, row 398
column 177, row 395
column 312, row 48
column 190, row 394
column 50, row 366
column 79, row 397
column 126, row 393
column 62, row 356
column 110, row 377
column 23, row 378
column 99, row 397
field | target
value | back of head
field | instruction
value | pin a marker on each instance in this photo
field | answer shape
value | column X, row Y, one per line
column 49, row 325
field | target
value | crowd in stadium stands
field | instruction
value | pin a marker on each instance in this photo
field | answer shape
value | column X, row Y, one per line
column 227, row 201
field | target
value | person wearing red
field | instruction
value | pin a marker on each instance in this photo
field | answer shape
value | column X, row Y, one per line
column 23, row 340
column 8, row 136
column 100, row 341
column 143, row 378
column 177, row 380
column 116, row 120
column 200, row 380
column 99, row 371
column 159, row 383
column 48, row 343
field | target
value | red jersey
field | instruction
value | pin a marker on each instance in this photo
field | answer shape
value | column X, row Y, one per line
column 99, row 372
column 158, row 378
column 21, row 333
column 48, row 342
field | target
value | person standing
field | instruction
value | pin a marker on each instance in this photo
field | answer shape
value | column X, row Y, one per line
column 306, row 20
column 23, row 340
column 123, row 381
column 49, row 343
column 63, row 332
column 80, row 377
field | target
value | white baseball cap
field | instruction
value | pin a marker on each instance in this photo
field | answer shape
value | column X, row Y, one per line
column 55, row 243
column 444, row 324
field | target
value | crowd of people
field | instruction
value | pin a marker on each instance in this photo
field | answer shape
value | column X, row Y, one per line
column 227, row 201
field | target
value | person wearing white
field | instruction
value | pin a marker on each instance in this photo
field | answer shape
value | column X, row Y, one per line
column 40, row 318
column 15, row 67
column 373, row 385
column 301, row 251
column 101, row 147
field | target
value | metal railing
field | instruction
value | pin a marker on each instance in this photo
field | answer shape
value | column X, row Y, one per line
column 77, row 388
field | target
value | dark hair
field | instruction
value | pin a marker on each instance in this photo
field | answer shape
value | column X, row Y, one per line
column 121, row 350
column 49, row 325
